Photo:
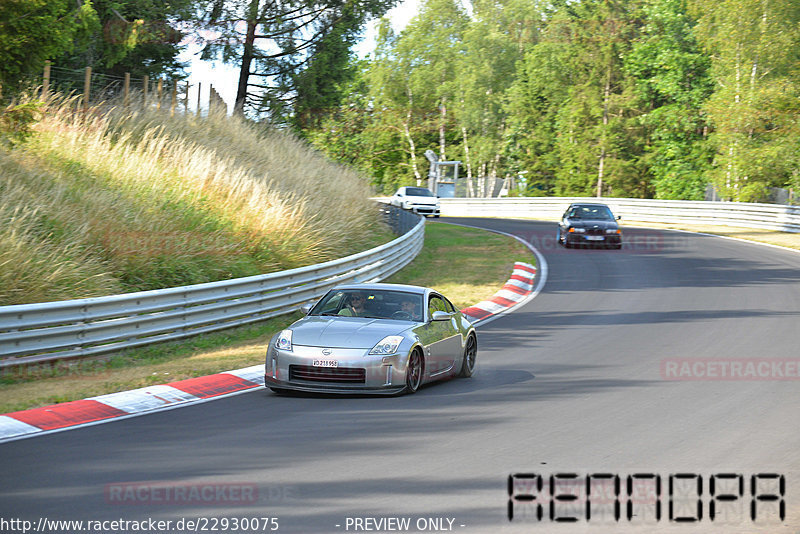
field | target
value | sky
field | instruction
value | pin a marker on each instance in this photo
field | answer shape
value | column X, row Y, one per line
column 224, row 77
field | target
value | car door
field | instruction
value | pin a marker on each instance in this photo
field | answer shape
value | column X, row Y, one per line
column 446, row 347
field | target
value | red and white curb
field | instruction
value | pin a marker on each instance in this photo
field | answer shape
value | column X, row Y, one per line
column 99, row 409
column 95, row 410
column 515, row 290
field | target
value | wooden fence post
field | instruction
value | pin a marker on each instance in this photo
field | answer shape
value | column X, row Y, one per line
column 87, row 87
column 144, row 95
column 160, row 92
column 186, row 100
column 126, row 90
column 46, row 79
column 199, row 87
column 174, row 100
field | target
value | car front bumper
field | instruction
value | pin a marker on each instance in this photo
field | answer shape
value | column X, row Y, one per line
column 356, row 371
column 424, row 209
column 574, row 238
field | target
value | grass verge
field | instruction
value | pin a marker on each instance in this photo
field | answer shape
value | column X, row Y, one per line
column 466, row 264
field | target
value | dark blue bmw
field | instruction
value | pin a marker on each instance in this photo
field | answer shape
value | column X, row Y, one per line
column 585, row 224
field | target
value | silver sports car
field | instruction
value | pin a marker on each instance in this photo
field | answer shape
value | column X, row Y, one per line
column 372, row 338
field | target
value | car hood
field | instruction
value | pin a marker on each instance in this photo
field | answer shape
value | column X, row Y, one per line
column 588, row 223
column 345, row 332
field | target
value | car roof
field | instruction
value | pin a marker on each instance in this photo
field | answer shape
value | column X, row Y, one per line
column 385, row 287
column 581, row 204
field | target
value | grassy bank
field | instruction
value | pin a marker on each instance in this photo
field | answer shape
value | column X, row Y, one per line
column 114, row 201
column 466, row 264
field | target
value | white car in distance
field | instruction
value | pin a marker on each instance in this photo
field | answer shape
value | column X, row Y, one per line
column 417, row 199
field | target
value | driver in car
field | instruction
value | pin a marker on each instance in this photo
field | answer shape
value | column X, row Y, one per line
column 410, row 307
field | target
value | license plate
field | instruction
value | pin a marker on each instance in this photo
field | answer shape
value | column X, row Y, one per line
column 325, row 363
column 594, row 237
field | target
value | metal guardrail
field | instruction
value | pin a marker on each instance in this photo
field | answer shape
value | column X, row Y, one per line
column 400, row 220
column 766, row 216
column 42, row 332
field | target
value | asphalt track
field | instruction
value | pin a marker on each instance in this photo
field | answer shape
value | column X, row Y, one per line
column 573, row 382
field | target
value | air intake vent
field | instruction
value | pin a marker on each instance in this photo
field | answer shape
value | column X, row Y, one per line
column 328, row 375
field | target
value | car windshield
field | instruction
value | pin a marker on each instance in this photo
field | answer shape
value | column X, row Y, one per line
column 375, row 304
column 595, row 213
column 418, row 192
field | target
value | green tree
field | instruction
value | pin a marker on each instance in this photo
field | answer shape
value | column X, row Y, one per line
column 33, row 31
column 428, row 48
column 484, row 72
column 541, row 86
column 359, row 135
column 278, row 42
column 754, row 110
column 672, row 84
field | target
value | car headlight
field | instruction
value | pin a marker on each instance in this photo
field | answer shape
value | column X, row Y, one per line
column 387, row 345
column 578, row 230
column 284, row 341
column 613, row 231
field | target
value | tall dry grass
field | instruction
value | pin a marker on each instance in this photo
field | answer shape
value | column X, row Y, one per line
column 118, row 201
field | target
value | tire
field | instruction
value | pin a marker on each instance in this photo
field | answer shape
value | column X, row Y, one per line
column 414, row 372
column 280, row 391
column 470, row 356
column 558, row 237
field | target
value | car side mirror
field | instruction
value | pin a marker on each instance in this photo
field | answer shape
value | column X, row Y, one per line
column 440, row 316
column 305, row 308
column 619, row 217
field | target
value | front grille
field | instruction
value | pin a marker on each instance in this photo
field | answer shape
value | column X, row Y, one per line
column 595, row 231
column 309, row 373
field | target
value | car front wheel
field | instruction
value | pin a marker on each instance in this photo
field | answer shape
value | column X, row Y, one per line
column 414, row 372
column 470, row 355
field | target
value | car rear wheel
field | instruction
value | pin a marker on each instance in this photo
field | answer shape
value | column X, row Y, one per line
column 414, row 372
column 470, row 355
